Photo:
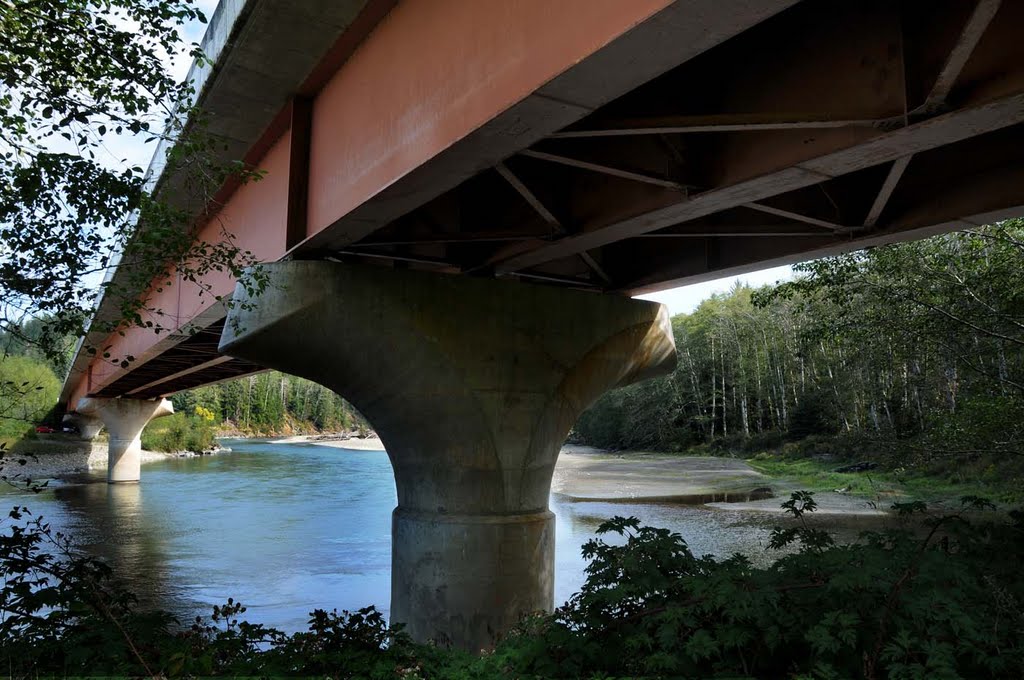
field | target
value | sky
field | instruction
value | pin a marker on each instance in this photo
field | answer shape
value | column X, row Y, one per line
column 125, row 149
column 132, row 148
column 682, row 300
column 685, row 299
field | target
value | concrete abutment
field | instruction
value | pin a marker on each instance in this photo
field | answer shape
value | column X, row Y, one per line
column 472, row 385
column 124, row 420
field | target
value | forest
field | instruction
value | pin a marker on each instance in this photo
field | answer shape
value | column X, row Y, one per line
column 272, row 403
column 911, row 353
column 264, row 404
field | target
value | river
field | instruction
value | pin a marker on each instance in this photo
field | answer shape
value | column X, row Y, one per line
column 286, row 528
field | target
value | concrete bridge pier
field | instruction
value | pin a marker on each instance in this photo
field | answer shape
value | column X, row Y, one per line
column 124, row 420
column 88, row 427
column 473, row 386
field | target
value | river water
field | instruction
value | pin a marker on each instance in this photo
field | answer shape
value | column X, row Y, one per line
column 286, row 528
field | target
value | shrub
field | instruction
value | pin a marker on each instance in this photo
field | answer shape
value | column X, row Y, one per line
column 894, row 605
column 179, row 432
column 762, row 441
column 980, row 426
column 901, row 604
column 814, row 414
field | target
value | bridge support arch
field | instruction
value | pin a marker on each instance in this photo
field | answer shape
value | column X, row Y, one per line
column 472, row 385
column 124, row 420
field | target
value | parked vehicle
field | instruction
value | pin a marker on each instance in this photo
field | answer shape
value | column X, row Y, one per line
column 44, row 429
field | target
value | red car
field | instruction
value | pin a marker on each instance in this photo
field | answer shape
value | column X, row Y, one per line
column 44, row 429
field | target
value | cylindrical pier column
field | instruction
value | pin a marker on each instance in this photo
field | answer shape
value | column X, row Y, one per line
column 466, row 578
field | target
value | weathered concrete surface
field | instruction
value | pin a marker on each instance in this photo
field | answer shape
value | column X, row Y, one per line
column 124, row 420
column 464, row 579
column 472, row 385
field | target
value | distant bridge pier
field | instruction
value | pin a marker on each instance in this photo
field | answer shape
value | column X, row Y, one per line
column 88, row 427
column 124, row 420
column 473, row 385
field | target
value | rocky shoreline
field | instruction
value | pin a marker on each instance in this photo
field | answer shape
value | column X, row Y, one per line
column 49, row 458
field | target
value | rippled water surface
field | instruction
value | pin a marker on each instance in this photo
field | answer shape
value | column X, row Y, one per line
column 286, row 528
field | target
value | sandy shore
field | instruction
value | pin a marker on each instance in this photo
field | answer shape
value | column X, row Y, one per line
column 352, row 443
column 587, row 474
column 598, row 476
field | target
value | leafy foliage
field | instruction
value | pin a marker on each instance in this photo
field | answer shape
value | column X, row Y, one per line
column 914, row 351
column 29, row 340
column 180, row 432
column 28, row 392
column 897, row 604
column 75, row 76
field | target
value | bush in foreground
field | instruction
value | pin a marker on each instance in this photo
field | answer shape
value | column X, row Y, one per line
column 941, row 601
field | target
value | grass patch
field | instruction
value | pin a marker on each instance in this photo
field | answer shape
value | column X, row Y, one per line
column 880, row 484
column 815, row 475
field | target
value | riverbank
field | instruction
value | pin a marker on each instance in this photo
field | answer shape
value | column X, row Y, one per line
column 761, row 483
column 585, row 474
column 338, row 441
column 880, row 485
column 861, row 468
column 50, row 458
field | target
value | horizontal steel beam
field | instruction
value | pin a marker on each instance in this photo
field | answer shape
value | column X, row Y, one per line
column 884, row 148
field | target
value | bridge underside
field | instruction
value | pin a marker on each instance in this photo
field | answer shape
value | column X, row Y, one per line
column 825, row 128
column 193, row 362
column 820, row 129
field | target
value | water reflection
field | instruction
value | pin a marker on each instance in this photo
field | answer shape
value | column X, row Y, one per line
column 288, row 528
column 109, row 521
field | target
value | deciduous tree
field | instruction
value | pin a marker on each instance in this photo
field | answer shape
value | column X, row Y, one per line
column 77, row 76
